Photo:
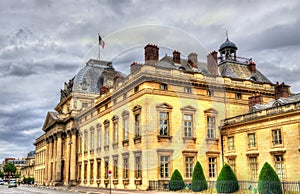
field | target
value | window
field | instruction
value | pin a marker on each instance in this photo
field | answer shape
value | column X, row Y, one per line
column 84, row 105
column 115, row 171
column 211, row 125
column 92, row 139
column 126, row 132
column 137, row 125
column 124, row 96
column 138, row 169
column 230, row 143
column 98, row 136
column 106, row 169
column 164, row 123
column 163, row 86
column 189, row 166
column 85, row 170
column 79, row 145
column 116, row 132
column 210, row 92
column 231, row 162
column 279, row 166
column 251, row 140
column 85, row 140
column 188, row 125
column 253, row 167
column 98, row 168
column 187, row 90
column 79, row 171
column 106, row 136
column 212, row 167
column 238, row 96
column 136, row 89
column 91, row 170
column 125, row 168
column 276, row 137
column 164, row 166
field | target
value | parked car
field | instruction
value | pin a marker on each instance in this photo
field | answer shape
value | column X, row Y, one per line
column 1, row 182
column 12, row 183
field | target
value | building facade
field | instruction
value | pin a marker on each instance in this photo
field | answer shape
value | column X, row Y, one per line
column 164, row 115
column 27, row 171
column 268, row 133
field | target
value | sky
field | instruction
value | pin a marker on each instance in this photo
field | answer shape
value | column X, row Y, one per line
column 45, row 43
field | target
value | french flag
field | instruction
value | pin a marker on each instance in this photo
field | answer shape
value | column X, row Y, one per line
column 101, row 42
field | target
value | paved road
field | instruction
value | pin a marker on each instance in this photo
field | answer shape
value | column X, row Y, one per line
column 24, row 189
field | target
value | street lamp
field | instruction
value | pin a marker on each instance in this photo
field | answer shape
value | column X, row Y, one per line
column 69, row 181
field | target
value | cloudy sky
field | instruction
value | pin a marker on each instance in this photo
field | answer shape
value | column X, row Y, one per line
column 44, row 43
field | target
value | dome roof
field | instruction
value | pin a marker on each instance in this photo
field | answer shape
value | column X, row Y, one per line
column 228, row 44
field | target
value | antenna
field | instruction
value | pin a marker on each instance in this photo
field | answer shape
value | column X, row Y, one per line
column 226, row 34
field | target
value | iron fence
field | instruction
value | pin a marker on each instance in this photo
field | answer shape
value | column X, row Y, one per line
column 244, row 186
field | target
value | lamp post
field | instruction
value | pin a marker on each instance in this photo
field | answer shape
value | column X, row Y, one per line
column 69, row 181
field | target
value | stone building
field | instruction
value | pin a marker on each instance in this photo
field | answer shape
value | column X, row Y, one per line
column 28, row 169
column 267, row 133
column 164, row 115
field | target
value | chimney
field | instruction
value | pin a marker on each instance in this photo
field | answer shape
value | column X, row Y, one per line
column 193, row 60
column 151, row 54
column 176, row 56
column 212, row 63
column 252, row 67
column 135, row 67
column 281, row 91
column 256, row 99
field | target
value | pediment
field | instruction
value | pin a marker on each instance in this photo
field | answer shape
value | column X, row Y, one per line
column 189, row 108
column 211, row 111
column 51, row 118
column 164, row 106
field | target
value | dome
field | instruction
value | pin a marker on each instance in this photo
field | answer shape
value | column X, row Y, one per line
column 228, row 44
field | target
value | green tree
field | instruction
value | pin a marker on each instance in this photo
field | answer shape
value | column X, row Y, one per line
column 10, row 169
column 227, row 181
column 176, row 182
column 1, row 174
column 268, row 180
column 198, row 180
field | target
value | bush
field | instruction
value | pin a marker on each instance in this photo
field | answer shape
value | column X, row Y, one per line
column 198, row 181
column 176, row 182
column 227, row 181
column 268, row 181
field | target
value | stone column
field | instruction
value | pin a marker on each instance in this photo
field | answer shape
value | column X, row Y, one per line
column 50, row 158
column 67, row 158
column 73, row 156
column 54, row 151
column 58, row 158
column 46, row 159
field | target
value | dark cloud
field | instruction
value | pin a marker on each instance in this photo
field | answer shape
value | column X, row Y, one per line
column 44, row 43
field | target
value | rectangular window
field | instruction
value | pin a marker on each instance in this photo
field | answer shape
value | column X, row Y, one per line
column 231, row 162
column 115, row 172
column 125, row 168
column 85, row 171
column 136, row 89
column 211, row 125
column 79, row 171
column 137, row 125
column 188, row 125
column 230, row 143
column 253, row 167
column 98, row 169
column 98, row 137
column 85, row 141
column 164, row 166
column 106, row 136
column 92, row 170
column 163, row 86
column 138, row 168
column 116, row 132
column 212, row 167
column 189, row 167
column 279, row 166
column 210, row 92
column 126, row 129
column 238, row 96
column 92, row 140
column 164, row 123
column 124, row 96
column 106, row 170
column 187, row 90
column 251, row 140
column 79, row 145
column 276, row 137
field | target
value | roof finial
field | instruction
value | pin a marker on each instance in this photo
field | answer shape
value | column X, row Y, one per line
column 227, row 34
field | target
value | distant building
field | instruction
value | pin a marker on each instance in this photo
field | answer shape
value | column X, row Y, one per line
column 27, row 171
column 164, row 115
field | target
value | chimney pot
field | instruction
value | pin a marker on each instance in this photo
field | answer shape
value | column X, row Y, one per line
column 151, row 54
column 212, row 63
column 176, row 57
column 281, row 91
column 193, row 60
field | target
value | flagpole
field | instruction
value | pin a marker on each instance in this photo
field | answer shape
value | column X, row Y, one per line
column 99, row 48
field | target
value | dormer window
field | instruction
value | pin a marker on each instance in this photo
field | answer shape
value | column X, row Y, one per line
column 163, row 86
